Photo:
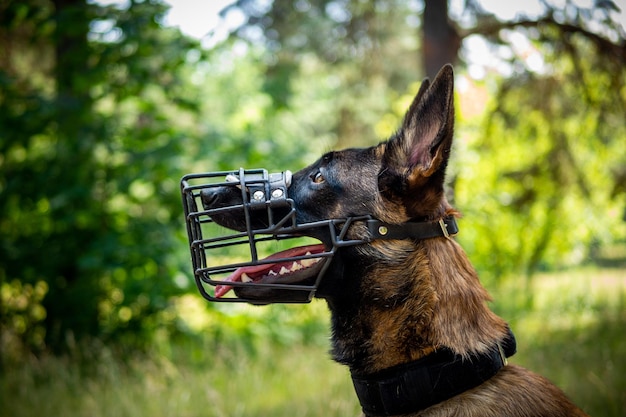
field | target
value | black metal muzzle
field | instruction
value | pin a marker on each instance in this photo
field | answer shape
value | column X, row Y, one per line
column 244, row 235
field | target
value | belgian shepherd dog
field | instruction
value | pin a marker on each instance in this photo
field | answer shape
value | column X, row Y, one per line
column 409, row 315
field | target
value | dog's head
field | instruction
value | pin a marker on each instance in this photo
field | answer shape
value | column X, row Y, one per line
column 398, row 181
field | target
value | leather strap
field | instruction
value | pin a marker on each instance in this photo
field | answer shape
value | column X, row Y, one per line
column 415, row 386
column 413, row 230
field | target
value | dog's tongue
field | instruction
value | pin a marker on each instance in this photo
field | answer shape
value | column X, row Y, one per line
column 264, row 269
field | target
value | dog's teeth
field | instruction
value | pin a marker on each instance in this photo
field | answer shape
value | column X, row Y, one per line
column 272, row 273
column 245, row 278
column 296, row 266
column 308, row 262
column 283, row 271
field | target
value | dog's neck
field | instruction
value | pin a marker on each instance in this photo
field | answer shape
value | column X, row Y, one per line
column 417, row 297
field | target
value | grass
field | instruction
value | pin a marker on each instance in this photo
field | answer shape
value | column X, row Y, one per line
column 297, row 382
column 571, row 330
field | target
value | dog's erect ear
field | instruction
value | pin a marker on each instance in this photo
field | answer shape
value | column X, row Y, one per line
column 415, row 159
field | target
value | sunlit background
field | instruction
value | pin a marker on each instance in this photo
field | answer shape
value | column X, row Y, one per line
column 105, row 105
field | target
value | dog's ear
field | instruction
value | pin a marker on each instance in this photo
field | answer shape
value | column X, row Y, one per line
column 415, row 159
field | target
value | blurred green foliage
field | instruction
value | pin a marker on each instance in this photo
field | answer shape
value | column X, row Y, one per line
column 537, row 188
column 92, row 115
column 103, row 109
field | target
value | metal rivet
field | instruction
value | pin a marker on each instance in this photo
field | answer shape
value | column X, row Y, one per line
column 258, row 195
column 277, row 193
column 383, row 230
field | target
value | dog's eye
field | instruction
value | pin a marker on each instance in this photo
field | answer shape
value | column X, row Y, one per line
column 317, row 178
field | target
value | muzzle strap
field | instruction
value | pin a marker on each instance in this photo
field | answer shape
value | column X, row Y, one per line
column 413, row 230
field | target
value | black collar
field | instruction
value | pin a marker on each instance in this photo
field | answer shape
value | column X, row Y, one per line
column 414, row 230
column 415, row 386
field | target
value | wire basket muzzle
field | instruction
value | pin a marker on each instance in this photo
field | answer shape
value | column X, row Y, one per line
column 244, row 236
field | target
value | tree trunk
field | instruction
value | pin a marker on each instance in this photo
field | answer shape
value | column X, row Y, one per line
column 441, row 40
column 72, row 300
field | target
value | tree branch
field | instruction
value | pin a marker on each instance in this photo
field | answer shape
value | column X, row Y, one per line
column 615, row 50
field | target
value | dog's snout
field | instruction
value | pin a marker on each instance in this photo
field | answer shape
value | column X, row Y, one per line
column 219, row 197
column 210, row 198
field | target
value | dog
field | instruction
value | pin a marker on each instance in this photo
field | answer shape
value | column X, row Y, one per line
column 409, row 315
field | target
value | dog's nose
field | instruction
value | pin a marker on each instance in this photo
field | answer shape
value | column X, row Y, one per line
column 210, row 198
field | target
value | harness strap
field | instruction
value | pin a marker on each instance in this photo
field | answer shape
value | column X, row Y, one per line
column 412, row 387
